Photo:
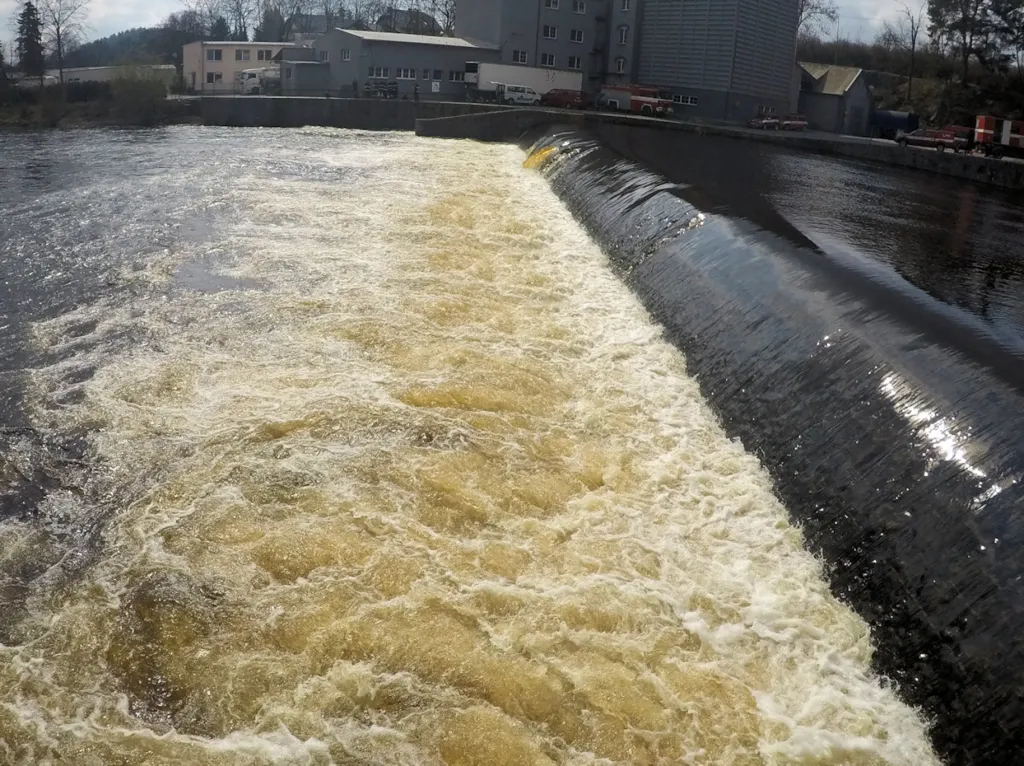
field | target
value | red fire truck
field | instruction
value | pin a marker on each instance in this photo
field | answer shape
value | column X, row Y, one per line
column 997, row 137
column 638, row 99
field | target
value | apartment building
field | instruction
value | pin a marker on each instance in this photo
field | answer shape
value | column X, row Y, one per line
column 214, row 67
column 720, row 59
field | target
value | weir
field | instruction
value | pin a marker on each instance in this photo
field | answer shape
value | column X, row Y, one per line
column 892, row 425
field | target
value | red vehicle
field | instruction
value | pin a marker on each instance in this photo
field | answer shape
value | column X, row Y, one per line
column 930, row 138
column 997, row 137
column 566, row 99
column 637, row 99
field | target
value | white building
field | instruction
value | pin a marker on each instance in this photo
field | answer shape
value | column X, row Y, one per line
column 214, row 67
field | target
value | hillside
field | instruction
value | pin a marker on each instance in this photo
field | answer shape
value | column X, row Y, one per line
column 138, row 46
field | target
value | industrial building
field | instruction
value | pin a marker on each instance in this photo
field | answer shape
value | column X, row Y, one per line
column 432, row 67
column 722, row 60
column 835, row 98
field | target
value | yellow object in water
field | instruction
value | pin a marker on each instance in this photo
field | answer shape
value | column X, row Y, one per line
column 538, row 157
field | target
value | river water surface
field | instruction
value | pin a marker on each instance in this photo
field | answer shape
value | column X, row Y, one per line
column 330, row 447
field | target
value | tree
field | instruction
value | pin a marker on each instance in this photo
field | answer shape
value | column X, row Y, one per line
column 240, row 15
column 31, row 55
column 220, row 31
column 964, row 25
column 903, row 35
column 63, row 27
column 815, row 15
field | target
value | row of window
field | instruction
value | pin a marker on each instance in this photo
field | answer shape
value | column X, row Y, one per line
column 346, row 55
column 685, row 100
column 407, row 73
column 550, row 32
column 241, row 54
column 580, row 6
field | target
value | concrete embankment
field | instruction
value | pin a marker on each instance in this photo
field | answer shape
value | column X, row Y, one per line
column 508, row 124
column 356, row 114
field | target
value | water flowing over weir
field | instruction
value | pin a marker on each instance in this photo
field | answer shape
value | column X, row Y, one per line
column 384, row 464
column 893, row 427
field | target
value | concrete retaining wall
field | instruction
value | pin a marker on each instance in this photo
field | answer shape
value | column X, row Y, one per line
column 509, row 124
column 357, row 114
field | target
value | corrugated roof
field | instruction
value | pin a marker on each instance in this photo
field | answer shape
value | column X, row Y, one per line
column 401, row 37
column 830, row 79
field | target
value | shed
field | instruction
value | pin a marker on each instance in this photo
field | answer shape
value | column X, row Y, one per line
column 835, row 99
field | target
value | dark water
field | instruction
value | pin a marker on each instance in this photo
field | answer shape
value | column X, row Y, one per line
column 957, row 241
column 860, row 330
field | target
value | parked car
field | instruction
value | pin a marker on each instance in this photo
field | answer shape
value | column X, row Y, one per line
column 566, row 99
column 794, row 122
column 764, row 122
column 963, row 137
column 516, row 94
column 929, row 138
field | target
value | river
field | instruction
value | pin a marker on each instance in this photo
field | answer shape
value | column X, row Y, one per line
column 337, row 447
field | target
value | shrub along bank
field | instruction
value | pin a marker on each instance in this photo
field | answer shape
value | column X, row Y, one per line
column 126, row 102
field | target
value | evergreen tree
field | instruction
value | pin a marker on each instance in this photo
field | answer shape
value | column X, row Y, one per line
column 220, row 31
column 30, row 42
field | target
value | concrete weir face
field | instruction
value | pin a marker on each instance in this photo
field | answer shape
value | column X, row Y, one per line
column 893, row 428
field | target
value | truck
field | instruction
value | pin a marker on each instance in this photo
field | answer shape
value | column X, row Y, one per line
column 255, row 82
column 483, row 79
column 997, row 137
column 636, row 99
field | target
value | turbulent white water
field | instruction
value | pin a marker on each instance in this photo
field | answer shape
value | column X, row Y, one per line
column 422, row 484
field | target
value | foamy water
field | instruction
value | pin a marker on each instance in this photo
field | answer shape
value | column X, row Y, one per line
column 422, row 484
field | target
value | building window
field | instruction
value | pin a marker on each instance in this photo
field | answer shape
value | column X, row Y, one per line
column 620, row 65
column 552, row 4
column 346, row 54
column 439, row 75
column 405, row 74
column 426, row 74
column 519, row 57
column 265, row 55
column 547, row 59
column 625, row 5
column 623, row 35
column 379, row 72
column 456, row 76
column 685, row 100
column 550, row 32
column 575, row 63
column 214, row 77
column 288, row 73
column 325, row 56
column 241, row 55
column 576, row 35
column 579, row 6
column 214, row 54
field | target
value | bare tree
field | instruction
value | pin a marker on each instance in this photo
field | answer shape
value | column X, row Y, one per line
column 64, row 27
column 241, row 15
column 903, row 34
column 817, row 15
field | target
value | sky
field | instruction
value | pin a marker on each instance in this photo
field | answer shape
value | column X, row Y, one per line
column 859, row 19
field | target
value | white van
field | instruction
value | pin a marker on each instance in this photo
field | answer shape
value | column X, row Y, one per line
column 517, row 94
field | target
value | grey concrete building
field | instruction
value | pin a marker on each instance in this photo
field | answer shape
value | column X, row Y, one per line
column 835, row 98
column 559, row 34
column 345, row 56
column 720, row 59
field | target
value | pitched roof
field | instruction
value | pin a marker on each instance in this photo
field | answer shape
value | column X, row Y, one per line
column 400, row 37
column 830, row 79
